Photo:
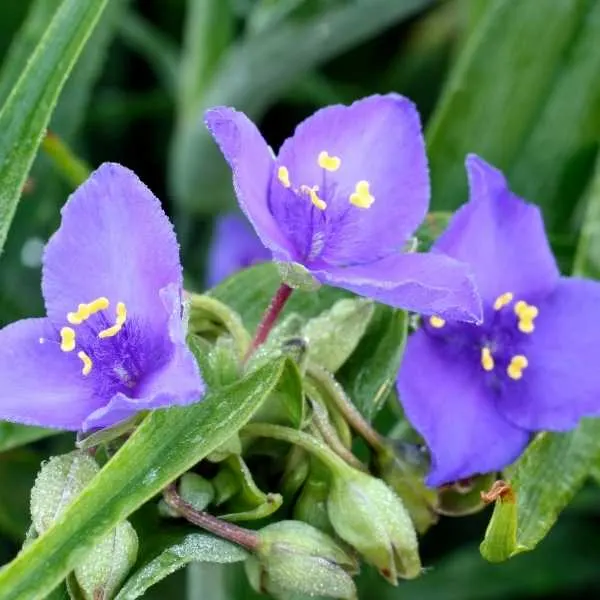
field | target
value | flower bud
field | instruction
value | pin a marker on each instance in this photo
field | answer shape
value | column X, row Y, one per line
column 369, row 516
column 293, row 557
column 400, row 465
column 311, row 505
column 57, row 484
column 105, row 567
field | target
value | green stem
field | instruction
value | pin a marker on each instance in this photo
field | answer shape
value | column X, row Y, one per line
column 321, row 423
column 335, row 393
column 72, row 168
column 238, row 535
column 311, row 444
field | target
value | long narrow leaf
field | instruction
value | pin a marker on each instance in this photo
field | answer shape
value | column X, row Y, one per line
column 27, row 111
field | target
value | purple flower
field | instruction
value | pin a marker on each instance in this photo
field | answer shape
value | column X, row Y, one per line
column 343, row 198
column 234, row 247
column 113, row 342
column 476, row 393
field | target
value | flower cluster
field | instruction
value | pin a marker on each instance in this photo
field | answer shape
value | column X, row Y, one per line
column 505, row 345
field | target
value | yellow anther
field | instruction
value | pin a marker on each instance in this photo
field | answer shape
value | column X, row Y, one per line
column 84, row 311
column 526, row 313
column 87, row 362
column 314, row 197
column 97, row 305
column 120, row 321
column 517, row 364
column 67, row 339
column 362, row 197
column 284, row 176
column 487, row 360
column 437, row 322
column 329, row 163
column 503, row 300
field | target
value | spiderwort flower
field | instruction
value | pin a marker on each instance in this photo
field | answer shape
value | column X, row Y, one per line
column 234, row 246
column 477, row 393
column 343, row 198
column 113, row 342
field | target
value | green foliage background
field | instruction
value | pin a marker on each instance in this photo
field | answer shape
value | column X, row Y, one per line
column 513, row 80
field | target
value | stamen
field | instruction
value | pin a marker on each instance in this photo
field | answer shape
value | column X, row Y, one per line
column 487, row 360
column 314, row 198
column 362, row 197
column 517, row 364
column 503, row 300
column 526, row 314
column 87, row 362
column 284, row 176
column 436, row 322
column 121, row 318
column 67, row 339
column 329, row 163
column 85, row 311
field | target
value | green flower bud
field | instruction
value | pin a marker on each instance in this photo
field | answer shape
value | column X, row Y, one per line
column 293, row 557
column 311, row 506
column 400, row 465
column 57, row 484
column 369, row 516
column 196, row 491
column 105, row 567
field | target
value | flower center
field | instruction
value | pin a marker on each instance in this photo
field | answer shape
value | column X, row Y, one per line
column 68, row 335
column 361, row 197
column 496, row 342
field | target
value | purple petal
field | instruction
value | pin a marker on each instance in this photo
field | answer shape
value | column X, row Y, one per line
column 41, row 385
column 115, row 241
column 175, row 382
column 430, row 284
column 501, row 236
column 561, row 383
column 251, row 161
column 445, row 399
column 378, row 140
column 234, row 246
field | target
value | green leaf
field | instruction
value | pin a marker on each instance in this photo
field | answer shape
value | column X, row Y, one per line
column 510, row 98
column 254, row 73
column 432, row 227
column 250, row 502
column 334, row 334
column 370, row 372
column 587, row 257
column 249, row 293
column 26, row 113
column 13, row 435
column 544, row 480
column 166, row 444
column 192, row 547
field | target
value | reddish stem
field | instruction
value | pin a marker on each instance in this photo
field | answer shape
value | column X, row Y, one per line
column 275, row 307
column 238, row 535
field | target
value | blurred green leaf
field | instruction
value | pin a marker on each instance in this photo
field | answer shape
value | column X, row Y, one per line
column 524, row 94
column 370, row 372
column 587, row 257
column 177, row 553
column 165, row 445
column 13, row 435
column 26, row 113
column 253, row 73
column 545, row 479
